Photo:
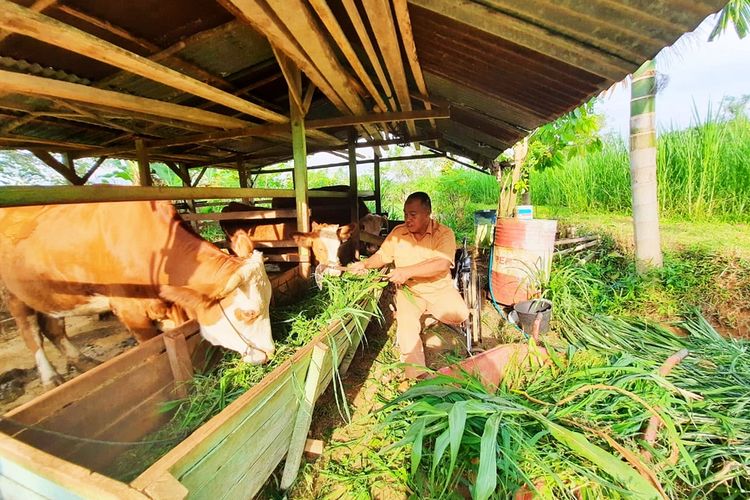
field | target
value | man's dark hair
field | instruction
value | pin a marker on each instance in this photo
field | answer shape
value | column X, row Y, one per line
column 423, row 198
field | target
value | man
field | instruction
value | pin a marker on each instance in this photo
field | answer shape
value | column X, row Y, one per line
column 423, row 251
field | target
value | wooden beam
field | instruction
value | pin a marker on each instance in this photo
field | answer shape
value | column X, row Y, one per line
column 11, row 196
column 334, row 28
column 353, row 202
column 531, row 36
column 292, row 76
column 46, row 87
column 264, row 21
column 307, row 99
column 364, row 37
column 43, row 28
column 376, row 175
column 144, row 169
column 252, row 215
column 299, row 151
column 271, row 130
column 150, row 47
column 37, row 6
column 93, row 169
column 381, row 20
column 58, row 167
column 407, row 37
column 179, row 361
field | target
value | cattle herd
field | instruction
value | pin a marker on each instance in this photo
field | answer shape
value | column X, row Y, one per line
column 143, row 263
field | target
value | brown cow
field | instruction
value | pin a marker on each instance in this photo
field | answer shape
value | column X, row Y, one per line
column 136, row 259
column 330, row 243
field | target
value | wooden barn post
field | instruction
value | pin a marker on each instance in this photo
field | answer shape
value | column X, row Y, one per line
column 144, row 170
column 376, row 175
column 353, row 188
column 299, row 146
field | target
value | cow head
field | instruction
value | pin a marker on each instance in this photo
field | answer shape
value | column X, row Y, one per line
column 329, row 242
column 237, row 317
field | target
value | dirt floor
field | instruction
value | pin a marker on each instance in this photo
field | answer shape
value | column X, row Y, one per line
column 19, row 381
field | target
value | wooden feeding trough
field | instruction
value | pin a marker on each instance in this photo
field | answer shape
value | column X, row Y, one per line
column 231, row 455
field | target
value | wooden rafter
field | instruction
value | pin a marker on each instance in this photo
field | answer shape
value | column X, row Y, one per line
column 381, row 20
column 93, row 169
column 308, row 35
column 37, row 6
column 269, row 130
column 292, row 76
column 145, row 44
column 46, row 87
column 24, row 21
column 407, row 37
column 68, row 172
column 329, row 20
column 364, row 37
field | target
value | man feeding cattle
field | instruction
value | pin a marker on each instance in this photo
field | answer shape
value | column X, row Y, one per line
column 423, row 251
column 135, row 258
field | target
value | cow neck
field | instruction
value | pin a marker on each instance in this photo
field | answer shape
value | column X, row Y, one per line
column 192, row 261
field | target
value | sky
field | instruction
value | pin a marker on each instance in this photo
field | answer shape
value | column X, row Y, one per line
column 699, row 74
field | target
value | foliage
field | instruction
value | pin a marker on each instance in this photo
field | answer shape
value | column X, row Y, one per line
column 736, row 13
column 703, row 174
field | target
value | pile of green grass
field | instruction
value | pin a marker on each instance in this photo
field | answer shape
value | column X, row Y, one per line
column 703, row 174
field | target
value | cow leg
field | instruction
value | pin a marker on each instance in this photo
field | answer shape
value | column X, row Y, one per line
column 28, row 327
column 54, row 329
column 135, row 315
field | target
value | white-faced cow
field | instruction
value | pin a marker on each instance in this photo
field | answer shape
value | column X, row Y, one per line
column 330, row 243
column 136, row 259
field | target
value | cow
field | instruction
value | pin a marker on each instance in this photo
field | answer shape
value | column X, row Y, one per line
column 372, row 224
column 136, row 259
column 330, row 243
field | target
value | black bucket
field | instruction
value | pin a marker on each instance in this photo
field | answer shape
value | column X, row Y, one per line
column 527, row 311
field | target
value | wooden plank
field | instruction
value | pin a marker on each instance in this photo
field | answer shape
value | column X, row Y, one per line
column 376, row 175
column 53, row 477
column 24, row 21
column 304, row 415
column 275, row 244
column 18, row 83
column 353, row 188
column 364, row 37
column 266, row 432
column 313, row 448
column 167, row 488
column 198, row 444
column 179, row 362
column 302, row 205
column 253, row 215
column 381, row 21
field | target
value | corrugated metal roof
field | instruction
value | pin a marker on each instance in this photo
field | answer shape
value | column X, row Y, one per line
column 503, row 66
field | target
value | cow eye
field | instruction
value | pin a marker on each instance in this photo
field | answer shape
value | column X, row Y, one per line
column 245, row 316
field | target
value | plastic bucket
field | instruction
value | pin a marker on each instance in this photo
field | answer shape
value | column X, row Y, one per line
column 527, row 312
column 522, row 258
column 525, row 212
column 484, row 223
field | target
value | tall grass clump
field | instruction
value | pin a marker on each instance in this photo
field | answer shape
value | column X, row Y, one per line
column 703, row 174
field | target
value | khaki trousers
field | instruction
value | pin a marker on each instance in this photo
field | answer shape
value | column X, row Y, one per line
column 446, row 305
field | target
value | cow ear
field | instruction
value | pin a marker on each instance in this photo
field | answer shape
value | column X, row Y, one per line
column 241, row 244
column 302, row 239
column 315, row 226
column 345, row 232
column 183, row 296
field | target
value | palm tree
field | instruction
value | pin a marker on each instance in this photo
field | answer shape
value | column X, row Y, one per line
column 643, row 143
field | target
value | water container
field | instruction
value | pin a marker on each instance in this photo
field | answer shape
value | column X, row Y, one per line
column 522, row 258
column 527, row 311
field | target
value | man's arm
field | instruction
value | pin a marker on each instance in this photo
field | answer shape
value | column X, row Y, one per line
column 373, row 262
column 435, row 266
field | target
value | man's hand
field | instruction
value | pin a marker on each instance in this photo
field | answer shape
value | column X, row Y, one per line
column 399, row 276
column 357, row 267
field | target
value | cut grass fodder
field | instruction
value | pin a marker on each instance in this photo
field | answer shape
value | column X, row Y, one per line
column 294, row 326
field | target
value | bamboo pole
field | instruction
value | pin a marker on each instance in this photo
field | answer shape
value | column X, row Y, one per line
column 353, row 201
column 376, row 174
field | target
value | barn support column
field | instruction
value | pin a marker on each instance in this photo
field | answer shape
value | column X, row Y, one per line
column 144, row 171
column 242, row 175
column 376, row 175
column 353, row 188
column 299, row 146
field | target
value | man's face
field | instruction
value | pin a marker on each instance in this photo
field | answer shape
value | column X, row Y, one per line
column 417, row 217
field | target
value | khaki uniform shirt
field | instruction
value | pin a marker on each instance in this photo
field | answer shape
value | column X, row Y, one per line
column 403, row 249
